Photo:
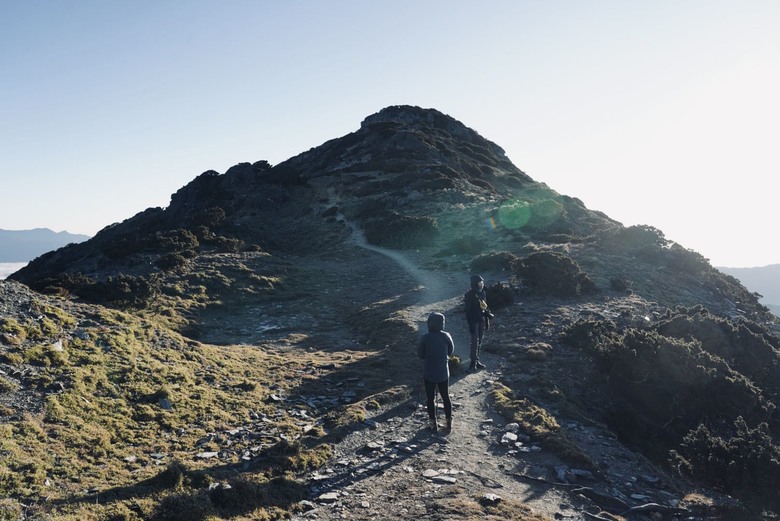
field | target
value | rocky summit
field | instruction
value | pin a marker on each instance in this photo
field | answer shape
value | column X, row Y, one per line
column 249, row 352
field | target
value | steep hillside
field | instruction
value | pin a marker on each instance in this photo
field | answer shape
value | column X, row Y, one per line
column 271, row 278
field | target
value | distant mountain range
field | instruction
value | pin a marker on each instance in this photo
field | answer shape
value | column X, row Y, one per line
column 764, row 281
column 25, row 245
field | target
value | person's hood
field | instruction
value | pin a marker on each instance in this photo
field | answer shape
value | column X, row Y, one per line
column 475, row 279
column 435, row 322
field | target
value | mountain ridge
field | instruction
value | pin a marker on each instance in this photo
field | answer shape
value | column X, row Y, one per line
column 609, row 344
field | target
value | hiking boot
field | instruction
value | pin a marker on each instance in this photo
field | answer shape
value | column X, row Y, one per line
column 480, row 365
column 432, row 425
column 473, row 367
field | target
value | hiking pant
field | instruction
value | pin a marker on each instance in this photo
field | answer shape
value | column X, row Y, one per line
column 444, row 391
column 477, row 330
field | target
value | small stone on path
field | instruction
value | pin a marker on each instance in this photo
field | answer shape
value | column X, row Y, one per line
column 207, row 455
column 491, row 499
column 328, row 497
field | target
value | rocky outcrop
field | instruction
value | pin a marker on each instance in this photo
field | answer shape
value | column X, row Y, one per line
column 422, row 149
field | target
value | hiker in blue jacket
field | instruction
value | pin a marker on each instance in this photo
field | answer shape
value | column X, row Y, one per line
column 478, row 317
column 435, row 348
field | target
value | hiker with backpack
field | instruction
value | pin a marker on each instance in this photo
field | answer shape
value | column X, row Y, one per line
column 435, row 348
column 478, row 316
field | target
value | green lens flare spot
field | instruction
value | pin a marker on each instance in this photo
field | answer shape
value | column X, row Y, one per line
column 514, row 215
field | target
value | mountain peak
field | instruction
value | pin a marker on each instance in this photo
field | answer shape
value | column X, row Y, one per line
column 413, row 117
column 417, row 146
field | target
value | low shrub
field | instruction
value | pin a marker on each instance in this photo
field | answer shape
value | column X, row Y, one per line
column 499, row 295
column 679, row 388
column 11, row 331
column 495, row 261
column 638, row 237
column 454, row 364
column 746, row 463
column 246, row 494
column 171, row 261
column 394, row 230
column 468, row 244
column 554, row 274
column 184, row 506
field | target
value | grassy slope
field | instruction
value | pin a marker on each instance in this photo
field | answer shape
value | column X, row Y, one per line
column 106, row 427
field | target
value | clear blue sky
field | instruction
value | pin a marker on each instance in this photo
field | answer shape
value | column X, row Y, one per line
column 663, row 112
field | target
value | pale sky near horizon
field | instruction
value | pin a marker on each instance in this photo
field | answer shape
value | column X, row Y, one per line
column 663, row 113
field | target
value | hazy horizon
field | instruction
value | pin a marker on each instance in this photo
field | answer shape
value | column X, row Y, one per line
column 6, row 268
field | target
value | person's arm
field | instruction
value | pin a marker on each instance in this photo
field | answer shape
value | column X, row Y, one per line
column 469, row 299
column 451, row 344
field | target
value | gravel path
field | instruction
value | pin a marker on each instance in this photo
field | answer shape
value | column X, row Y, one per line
column 395, row 468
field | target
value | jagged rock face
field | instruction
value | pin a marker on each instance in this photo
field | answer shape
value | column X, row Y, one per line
column 241, row 185
column 414, row 149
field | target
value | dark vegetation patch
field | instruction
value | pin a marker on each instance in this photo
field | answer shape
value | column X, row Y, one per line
column 393, row 230
column 120, row 291
column 542, row 273
column 650, row 245
column 742, row 461
column 495, row 262
column 466, row 244
column 555, row 274
column 695, row 386
column 499, row 295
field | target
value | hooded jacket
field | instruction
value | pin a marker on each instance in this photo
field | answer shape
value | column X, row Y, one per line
column 435, row 348
column 474, row 312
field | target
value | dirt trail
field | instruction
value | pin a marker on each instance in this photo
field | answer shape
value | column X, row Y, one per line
column 396, row 469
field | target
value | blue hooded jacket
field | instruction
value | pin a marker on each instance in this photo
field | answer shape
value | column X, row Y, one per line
column 435, row 348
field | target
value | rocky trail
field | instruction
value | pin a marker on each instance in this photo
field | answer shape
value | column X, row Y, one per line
column 392, row 467
column 395, row 468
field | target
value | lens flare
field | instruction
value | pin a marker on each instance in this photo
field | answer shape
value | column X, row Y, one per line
column 514, row 215
column 547, row 210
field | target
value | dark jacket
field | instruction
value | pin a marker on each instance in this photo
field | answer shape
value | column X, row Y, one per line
column 435, row 348
column 474, row 311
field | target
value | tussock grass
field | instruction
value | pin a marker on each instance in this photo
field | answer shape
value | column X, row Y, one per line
column 131, row 395
column 475, row 508
column 539, row 424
